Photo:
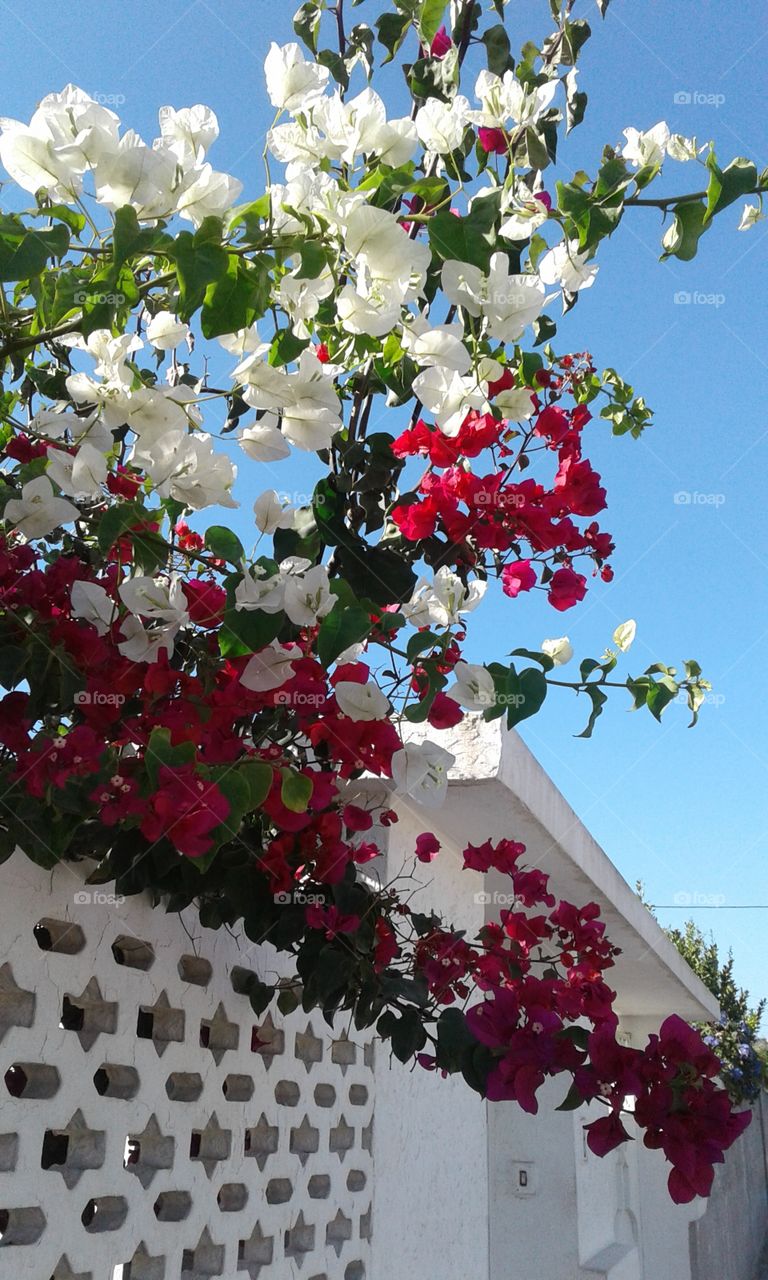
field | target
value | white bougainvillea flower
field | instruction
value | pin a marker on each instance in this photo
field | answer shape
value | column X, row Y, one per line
column 442, row 602
column 625, row 634
column 244, row 342
column 463, row 284
column 449, row 397
column 187, row 468
column 80, row 128
column 160, row 598
column 396, row 142
column 165, row 331
column 512, row 301
column 271, row 668
column 359, row 127
column 375, row 313
column 298, row 146
column 35, row 165
column 300, row 298
column 516, row 403
column 259, row 590
column 310, row 406
column 54, row 424
column 270, row 513
column 441, row 346
column 649, row 148
column 189, row 132
column 452, row 598
column 559, row 650
column 503, row 98
column 111, row 400
column 361, row 701
column 293, row 83
column 110, row 354
column 67, row 134
column 313, row 415
column 135, row 174
column 683, row 149
column 39, row 510
column 441, row 125
column 421, row 772
column 80, row 475
column 265, row 387
column 153, row 411
column 474, row 688
column 144, row 644
column 522, row 213
column 566, row 267
column 376, row 240
column 308, row 596
column 91, row 603
column 264, row 441
column 509, row 302
column 750, row 217
column 205, row 193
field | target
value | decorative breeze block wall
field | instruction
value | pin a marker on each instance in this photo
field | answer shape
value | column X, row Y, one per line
column 152, row 1127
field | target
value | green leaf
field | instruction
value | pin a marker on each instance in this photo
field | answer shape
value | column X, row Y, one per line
column 727, row 185
column 471, row 239
column 13, row 660
column 378, row 573
column 660, row 694
column 453, row 1039
column 306, row 24
column 234, row 301
column 343, row 626
column 575, row 104
column 430, row 19
column 404, row 1030
column 545, row 329
column 149, row 550
column 116, row 521
column 296, row 790
column 335, row 64
column 200, row 260
column 287, row 1001
column 247, row 630
column 259, row 776
column 224, row 544
column 314, row 260
column 498, row 51
column 160, row 752
column 598, row 699
column 572, row 1100
column 74, row 220
column 25, row 252
column 260, row 996
column 286, row 347
column 526, row 693
column 130, row 239
column 543, row 659
column 575, row 36
column 681, row 239
column 392, row 29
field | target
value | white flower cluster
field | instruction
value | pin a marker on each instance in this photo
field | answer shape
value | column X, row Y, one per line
column 70, row 135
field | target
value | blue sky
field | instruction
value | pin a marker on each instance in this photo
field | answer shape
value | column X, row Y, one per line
column 686, row 812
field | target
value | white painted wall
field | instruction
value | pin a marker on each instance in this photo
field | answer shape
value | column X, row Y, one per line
column 307, row 1211
column 431, row 1162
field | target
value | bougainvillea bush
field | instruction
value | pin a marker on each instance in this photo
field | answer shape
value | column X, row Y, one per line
column 187, row 705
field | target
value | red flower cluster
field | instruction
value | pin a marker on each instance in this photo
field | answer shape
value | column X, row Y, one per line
column 496, row 512
column 530, row 1023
